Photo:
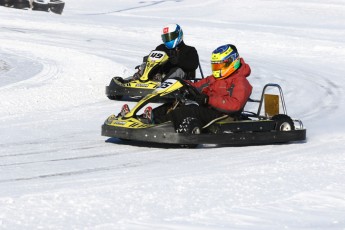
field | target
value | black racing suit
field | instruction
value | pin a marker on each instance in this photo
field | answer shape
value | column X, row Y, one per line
column 182, row 56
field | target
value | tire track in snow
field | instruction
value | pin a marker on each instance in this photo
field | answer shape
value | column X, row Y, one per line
column 297, row 93
column 143, row 5
column 60, row 84
column 70, row 173
column 4, row 67
column 61, row 159
column 16, row 67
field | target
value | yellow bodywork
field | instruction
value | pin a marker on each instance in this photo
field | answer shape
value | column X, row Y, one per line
column 130, row 120
column 140, row 85
column 155, row 58
column 132, row 123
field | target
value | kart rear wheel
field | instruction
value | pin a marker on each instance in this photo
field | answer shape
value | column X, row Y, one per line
column 283, row 122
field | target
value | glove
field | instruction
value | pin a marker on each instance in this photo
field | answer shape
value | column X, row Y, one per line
column 136, row 76
column 201, row 99
column 140, row 71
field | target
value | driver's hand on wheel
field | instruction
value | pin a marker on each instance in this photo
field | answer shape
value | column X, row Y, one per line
column 201, row 99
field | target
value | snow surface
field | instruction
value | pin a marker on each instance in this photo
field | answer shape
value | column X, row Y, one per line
column 58, row 172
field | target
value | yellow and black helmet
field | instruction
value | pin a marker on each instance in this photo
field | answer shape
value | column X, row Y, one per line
column 224, row 61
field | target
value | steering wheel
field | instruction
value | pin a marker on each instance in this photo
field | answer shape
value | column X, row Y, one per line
column 191, row 90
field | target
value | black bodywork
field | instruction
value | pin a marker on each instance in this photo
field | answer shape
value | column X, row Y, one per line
column 234, row 134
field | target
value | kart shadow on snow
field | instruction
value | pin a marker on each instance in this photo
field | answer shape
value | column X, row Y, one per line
column 117, row 141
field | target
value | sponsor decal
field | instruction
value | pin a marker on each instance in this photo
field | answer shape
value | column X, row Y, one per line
column 120, row 122
column 142, row 85
column 165, row 30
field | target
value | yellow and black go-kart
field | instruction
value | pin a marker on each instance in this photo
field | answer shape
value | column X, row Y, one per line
column 151, row 78
column 266, row 126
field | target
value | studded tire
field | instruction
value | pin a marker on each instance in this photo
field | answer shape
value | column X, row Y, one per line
column 283, row 122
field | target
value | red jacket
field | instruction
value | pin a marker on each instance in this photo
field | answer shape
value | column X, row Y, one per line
column 227, row 95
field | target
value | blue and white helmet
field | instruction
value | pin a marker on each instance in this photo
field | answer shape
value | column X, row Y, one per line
column 172, row 35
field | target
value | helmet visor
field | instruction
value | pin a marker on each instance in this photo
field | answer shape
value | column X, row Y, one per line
column 170, row 36
column 217, row 66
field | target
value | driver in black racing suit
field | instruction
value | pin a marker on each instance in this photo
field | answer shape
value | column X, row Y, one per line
column 183, row 59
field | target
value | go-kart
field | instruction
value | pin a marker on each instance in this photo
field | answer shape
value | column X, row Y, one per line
column 249, row 129
column 137, row 88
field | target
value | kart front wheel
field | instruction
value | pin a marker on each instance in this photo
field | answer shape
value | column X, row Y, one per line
column 283, row 122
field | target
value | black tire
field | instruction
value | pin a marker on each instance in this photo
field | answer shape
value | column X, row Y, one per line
column 21, row 4
column 56, row 6
column 40, row 6
column 7, row 3
column 190, row 125
column 283, row 122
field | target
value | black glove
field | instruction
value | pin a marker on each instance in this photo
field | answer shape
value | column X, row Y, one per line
column 136, row 76
column 201, row 99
